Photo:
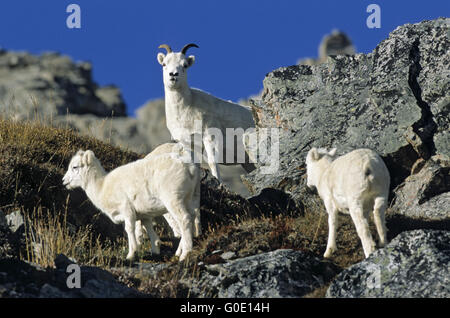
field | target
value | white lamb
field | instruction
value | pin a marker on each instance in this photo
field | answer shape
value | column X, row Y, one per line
column 354, row 183
column 161, row 183
column 191, row 112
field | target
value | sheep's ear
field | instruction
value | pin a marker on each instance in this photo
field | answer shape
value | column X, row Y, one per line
column 314, row 154
column 79, row 152
column 161, row 58
column 332, row 152
column 88, row 157
column 191, row 60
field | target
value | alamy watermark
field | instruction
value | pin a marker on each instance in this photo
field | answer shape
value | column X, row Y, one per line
column 73, row 21
column 374, row 19
column 74, row 279
column 237, row 146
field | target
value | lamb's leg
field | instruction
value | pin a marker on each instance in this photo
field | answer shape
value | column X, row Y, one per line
column 195, row 208
column 154, row 238
column 138, row 232
column 173, row 224
column 332, row 229
column 186, row 237
column 379, row 218
column 211, row 150
column 181, row 215
column 362, row 228
column 130, row 224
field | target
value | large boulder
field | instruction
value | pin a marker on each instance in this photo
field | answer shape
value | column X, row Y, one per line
column 51, row 84
column 281, row 273
column 395, row 100
column 414, row 264
column 425, row 195
column 20, row 279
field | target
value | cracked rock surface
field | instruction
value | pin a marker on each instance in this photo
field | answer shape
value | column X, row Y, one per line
column 394, row 100
column 414, row 264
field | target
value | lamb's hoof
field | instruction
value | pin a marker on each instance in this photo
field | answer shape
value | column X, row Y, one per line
column 156, row 250
column 367, row 254
column 329, row 252
column 178, row 252
column 223, row 187
column 130, row 257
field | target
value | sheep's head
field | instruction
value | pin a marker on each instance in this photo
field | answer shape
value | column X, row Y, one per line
column 78, row 167
column 316, row 161
column 175, row 65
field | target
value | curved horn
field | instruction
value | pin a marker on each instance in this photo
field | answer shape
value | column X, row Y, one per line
column 186, row 47
column 165, row 46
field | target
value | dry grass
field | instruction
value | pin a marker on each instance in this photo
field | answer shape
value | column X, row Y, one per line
column 33, row 161
column 34, row 158
column 49, row 235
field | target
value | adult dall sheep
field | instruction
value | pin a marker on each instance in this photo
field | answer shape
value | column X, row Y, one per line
column 161, row 183
column 355, row 183
column 191, row 112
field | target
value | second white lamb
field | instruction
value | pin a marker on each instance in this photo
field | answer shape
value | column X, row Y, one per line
column 162, row 183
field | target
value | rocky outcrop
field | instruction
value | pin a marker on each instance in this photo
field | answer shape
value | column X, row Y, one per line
column 394, row 100
column 281, row 273
column 51, row 85
column 414, row 264
column 140, row 134
column 20, row 279
column 425, row 194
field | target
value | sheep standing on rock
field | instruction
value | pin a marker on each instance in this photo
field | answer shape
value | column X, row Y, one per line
column 191, row 112
column 158, row 184
column 354, row 183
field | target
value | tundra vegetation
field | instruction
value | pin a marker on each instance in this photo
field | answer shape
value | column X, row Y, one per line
column 34, row 161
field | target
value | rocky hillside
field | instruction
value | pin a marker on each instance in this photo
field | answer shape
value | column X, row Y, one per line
column 62, row 93
column 394, row 100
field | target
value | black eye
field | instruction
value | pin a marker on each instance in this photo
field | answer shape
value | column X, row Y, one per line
column 164, row 64
column 185, row 66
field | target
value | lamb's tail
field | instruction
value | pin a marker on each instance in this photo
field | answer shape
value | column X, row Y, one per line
column 369, row 176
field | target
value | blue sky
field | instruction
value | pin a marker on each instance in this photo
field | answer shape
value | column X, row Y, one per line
column 240, row 40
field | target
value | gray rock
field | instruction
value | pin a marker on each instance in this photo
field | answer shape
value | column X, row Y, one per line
column 50, row 85
column 425, row 194
column 122, row 131
column 393, row 100
column 49, row 291
column 281, row 273
column 29, row 280
column 228, row 255
column 414, row 264
column 3, row 222
column 15, row 221
column 141, row 269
